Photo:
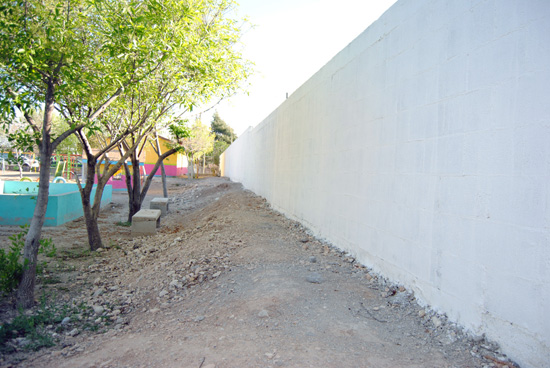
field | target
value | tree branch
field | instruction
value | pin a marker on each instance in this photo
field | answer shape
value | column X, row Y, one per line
column 106, row 103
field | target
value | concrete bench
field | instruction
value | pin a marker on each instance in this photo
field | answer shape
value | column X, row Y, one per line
column 145, row 222
column 159, row 204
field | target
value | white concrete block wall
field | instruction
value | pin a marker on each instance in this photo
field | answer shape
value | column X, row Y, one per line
column 424, row 149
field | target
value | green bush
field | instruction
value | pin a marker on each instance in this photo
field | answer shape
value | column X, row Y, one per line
column 11, row 263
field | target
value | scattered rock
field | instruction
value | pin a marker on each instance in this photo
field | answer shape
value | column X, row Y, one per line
column 399, row 299
column 22, row 341
column 73, row 332
column 65, row 321
column 263, row 314
column 199, row 318
column 98, row 309
column 436, row 321
column 98, row 292
column 314, row 278
column 163, row 293
column 312, row 259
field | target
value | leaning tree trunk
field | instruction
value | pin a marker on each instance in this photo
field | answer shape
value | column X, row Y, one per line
column 25, row 291
column 149, row 178
column 162, row 171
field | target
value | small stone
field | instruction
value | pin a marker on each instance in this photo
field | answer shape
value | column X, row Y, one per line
column 269, row 355
column 304, row 240
column 312, row 259
column 73, row 332
column 97, row 281
column 154, row 310
column 98, row 309
column 401, row 299
column 263, row 314
column 314, row 278
column 22, row 341
column 199, row 318
column 436, row 321
column 65, row 321
column 175, row 283
column 163, row 293
column 98, row 320
column 98, row 292
column 217, row 274
column 421, row 313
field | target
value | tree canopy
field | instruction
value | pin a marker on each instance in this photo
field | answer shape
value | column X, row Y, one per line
column 79, row 56
column 222, row 130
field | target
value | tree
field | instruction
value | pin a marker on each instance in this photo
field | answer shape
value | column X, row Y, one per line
column 222, row 131
column 79, row 56
column 71, row 145
column 51, row 57
column 201, row 65
column 201, row 142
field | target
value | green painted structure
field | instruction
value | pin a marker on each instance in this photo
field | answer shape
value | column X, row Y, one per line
column 17, row 202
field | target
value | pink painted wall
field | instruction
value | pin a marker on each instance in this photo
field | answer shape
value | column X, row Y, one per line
column 171, row 170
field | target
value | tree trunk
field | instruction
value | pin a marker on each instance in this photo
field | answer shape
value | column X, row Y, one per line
column 163, row 176
column 90, row 216
column 162, row 171
column 190, row 168
column 134, row 191
column 92, row 227
column 149, row 179
column 25, row 292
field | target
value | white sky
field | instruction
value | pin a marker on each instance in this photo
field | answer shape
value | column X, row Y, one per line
column 291, row 41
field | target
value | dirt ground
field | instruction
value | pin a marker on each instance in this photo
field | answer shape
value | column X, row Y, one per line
column 228, row 282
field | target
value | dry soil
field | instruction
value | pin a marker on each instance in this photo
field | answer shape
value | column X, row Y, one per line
column 228, row 282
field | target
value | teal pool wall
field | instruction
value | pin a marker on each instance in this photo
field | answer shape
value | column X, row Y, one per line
column 17, row 202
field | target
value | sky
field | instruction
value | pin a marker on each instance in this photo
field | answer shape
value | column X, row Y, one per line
column 289, row 42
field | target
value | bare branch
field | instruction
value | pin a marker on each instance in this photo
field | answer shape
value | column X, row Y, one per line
column 106, row 103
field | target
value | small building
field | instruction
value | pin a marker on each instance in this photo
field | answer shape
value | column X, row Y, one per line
column 118, row 180
column 174, row 165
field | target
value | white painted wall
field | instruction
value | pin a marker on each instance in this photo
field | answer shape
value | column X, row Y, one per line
column 423, row 148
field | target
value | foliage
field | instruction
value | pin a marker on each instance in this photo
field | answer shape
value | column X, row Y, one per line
column 222, row 130
column 219, row 148
column 201, row 141
column 123, row 223
column 11, row 263
column 71, row 145
column 78, row 57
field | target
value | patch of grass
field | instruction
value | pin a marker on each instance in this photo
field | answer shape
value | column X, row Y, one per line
column 12, row 263
column 51, row 280
column 36, row 329
column 124, row 223
column 75, row 253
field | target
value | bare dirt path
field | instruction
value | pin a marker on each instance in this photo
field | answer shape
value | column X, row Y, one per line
column 228, row 282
